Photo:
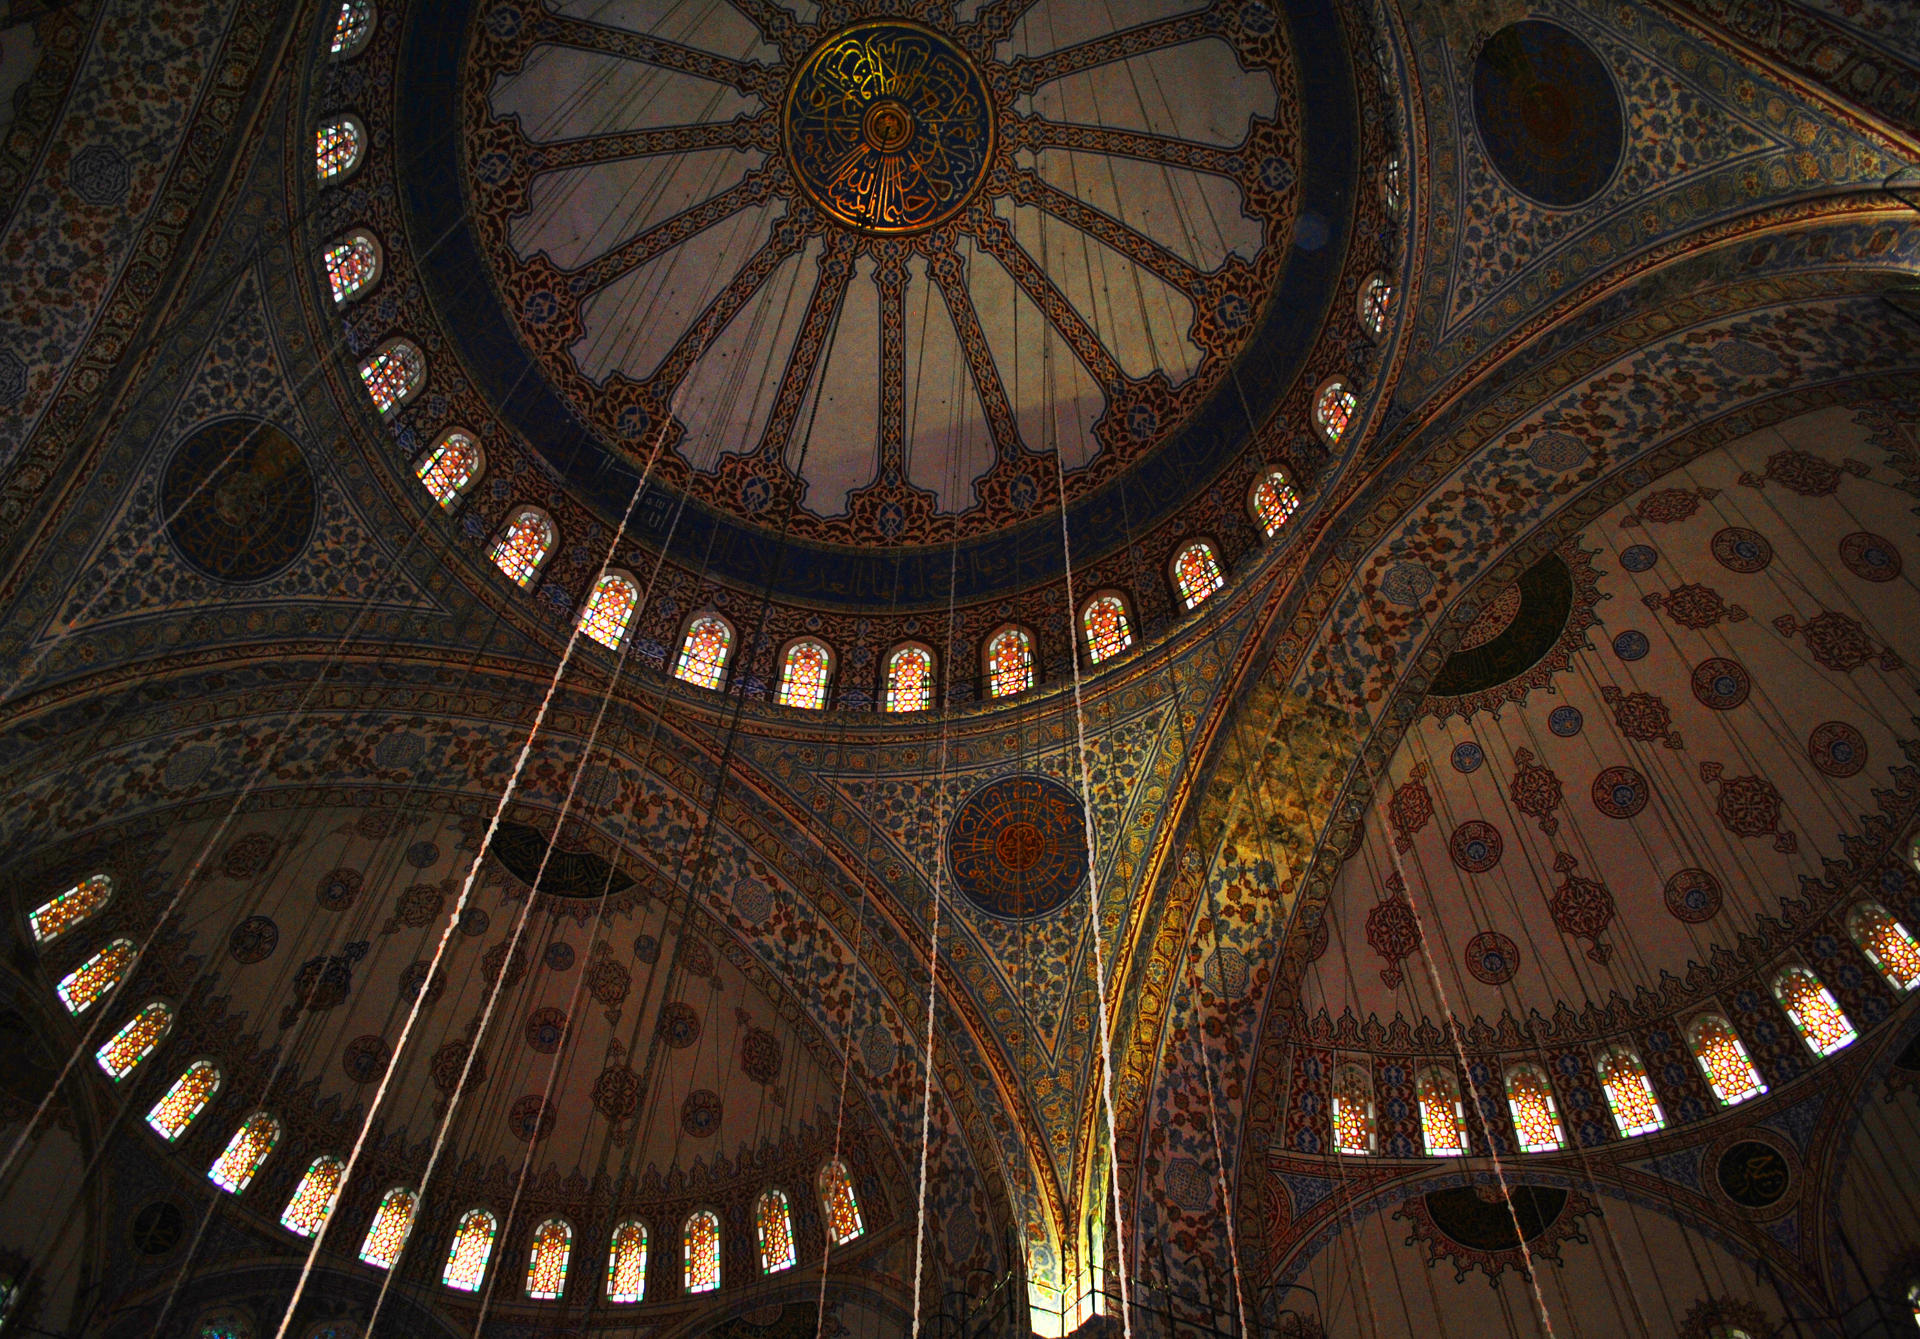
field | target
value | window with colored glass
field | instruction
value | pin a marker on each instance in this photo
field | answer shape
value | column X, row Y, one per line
column 1009, row 663
column 1104, row 623
column 469, row 1251
column 700, row 1247
column 352, row 27
column 1724, row 1060
column 803, row 675
column 394, row 373
column 1376, row 304
column 135, row 1041
column 523, row 546
column 1530, row 1098
column 387, row 1234
column 839, row 1205
column 1629, row 1093
column 53, row 919
column 703, row 653
column 313, row 1198
column 1353, row 1130
column 547, row 1261
column 82, row 988
column 609, row 609
column 1333, row 411
column 244, row 1153
column 627, row 1262
column 188, row 1097
column 1887, row 944
column 226, row 1323
column 450, row 468
column 1391, row 188
column 352, row 264
column 773, row 1219
column 1275, row 500
column 337, row 145
column 1196, row 573
column 910, row 679
column 1443, row 1121
column 1813, row 1010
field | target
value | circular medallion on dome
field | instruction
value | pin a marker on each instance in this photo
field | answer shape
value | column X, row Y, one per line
column 1548, row 113
column 239, row 500
column 1018, row 846
column 887, row 127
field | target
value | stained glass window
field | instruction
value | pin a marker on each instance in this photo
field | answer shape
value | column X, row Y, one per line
column 1812, row 1010
column 1333, row 411
column 352, row 28
column 1376, row 304
column 1530, row 1098
column 703, row 653
column 700, row 1244
column 910, row 679
column 388, row 1231
column 67, row 910
column 9, row 1297
column 1196, row 573
column 773, row 1219
column 523, row 546
column 609, row 609
column 393, row 374
column 134, row 1042
column 353, row 263
column 1391, row 186
column 226, row 1323
column 838, row 1203
column 1275, row 500
column 450, row 468
column 1106, row 626
column 467, row 1256
column 1352, row 1111
column 188, row 1097
column 245, row 1152
column 1443, row 1122
column 803, row 675
column 337, row 146
column 1629, row 1093
column 627, row 1262
column 547, row 1262
column 1887, row 944
column 1724, row 1060
column 313, row 1198
column 85, row 984
column 1009, row 663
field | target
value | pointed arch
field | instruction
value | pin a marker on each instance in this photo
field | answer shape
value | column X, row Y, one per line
column 1536, row 1120
column 1636, row 1111
column 1196, row 573
column 523, row 544
column 547, row 1260
column 1008, row 661
column 705, row 647
column 352, row 29
column 773, row 1224
column 135, row 1041
column 700, row 1251
column 1811, row 1006
column 1723, row 1060
column 339, row 147
column 313, row 1198
column 627, row 1262
column 1273, row 501
column 1888, row 944
column 353, row 266
column 839, row 1206
column 188, row 1097
column 908, row 682
column 449, row 467
column 608, row 611
column 1353, row 1116
column 1376, row 304
column 1443, row 1118
column 245, row 1152
column 394, row 374
column 806, row 673
column 61, row 913
column 387, row 1233
column 82, row 988
column 1106, row 626
column 469, row 1251
column 1333, row 407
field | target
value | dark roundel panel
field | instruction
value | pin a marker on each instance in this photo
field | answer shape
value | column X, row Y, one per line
column 1753, row 1174
column 1548, row 112
column 1483, row 1222
column 239, row 499
column 1540, row 616
column 1018, row 846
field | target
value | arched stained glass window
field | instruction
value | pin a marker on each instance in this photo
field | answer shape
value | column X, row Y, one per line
column 81, row 988
column 388, row 1231
column 353, row 263
column 313, row 1198
column 60, row 915
column 909, row 679
column 188, row 1097
column 1392, row 185
column 609, row 609
column 1196, row 573
column 1107, row 629
column 627, row 1262
column 1443, row 1121
column 468, row 1253
column 1812, row 1010
column 1274, row 501
column 839, row 1206
column 134, row 1042
column 773, row 1219
column 226, row 1323
column 1333, row 410
column 1530, row 1098
column 1723, row 1060
column 547, row 1261
column 1376, row 304
column 700, row 1247
column 396, row 370
column 804, row 672
column 523, row 546
column 1887, row 944
column 1353, row 1128
column 703, row 652
column 244, row 1153
column 449, row 468
column 352, row 28
column 1009, row 663
column 338, row 145
column 1629, row 1093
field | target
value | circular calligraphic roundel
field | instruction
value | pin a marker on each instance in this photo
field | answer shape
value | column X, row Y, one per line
column 887, row 127
column 1018, row 847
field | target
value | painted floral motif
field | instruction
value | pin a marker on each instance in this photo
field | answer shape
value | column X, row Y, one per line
column 1870, row 557
column 1739, row 549
column 1641, row 716
column 1749, row 806
column 1805, row 474
column 1619, row 792
column 1838, row 642
column 1665, row 506
column 1410, row 808
column 1535, row 790
column 1581, row 907
column 1721, row 684
column 1492, row 958
column 1394, row 933
column 1694, row 606
column 1692, row 895
column 1837, row 749
column 1475, row 846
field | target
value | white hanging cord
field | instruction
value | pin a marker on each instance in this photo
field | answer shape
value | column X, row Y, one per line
column 1220, row 1174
